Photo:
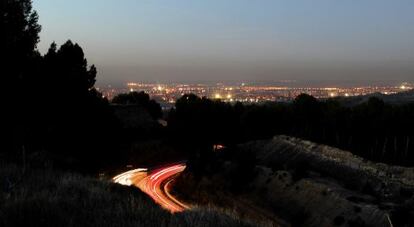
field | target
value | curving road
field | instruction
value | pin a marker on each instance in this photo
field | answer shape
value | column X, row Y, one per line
column 156, row 183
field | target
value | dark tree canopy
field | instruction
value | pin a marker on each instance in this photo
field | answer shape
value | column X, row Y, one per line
column 132, row 98
column 19, row 36
column 374, row 130
column 141, row 99
column 51, row 104
column 67, row 68
column 203, row 121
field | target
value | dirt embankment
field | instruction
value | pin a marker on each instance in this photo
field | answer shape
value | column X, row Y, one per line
column 308, row 184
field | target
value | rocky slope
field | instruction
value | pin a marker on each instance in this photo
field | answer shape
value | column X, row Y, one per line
column 308, row 184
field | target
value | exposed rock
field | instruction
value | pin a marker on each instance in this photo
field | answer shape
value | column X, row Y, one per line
column 325, row 186
column 384, row 181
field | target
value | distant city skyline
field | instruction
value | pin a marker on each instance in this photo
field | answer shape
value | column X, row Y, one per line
column 236, row 40
column 167, row 94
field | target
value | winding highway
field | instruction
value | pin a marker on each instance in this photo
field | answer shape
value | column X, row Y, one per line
column 155, row 183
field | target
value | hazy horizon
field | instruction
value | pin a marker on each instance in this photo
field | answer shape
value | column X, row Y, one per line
column 175, row 41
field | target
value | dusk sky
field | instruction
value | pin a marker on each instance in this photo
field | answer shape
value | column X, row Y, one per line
column 236, row 40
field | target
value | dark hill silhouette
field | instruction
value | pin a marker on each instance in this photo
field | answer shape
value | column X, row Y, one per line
column 400, row 98
column 373, row 129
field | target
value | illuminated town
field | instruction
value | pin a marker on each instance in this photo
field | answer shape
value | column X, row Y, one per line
column 247, row 93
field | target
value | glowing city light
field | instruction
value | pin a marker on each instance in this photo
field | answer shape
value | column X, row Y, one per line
column 243, row 92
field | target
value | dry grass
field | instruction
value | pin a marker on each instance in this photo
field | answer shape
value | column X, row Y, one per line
column 49, row 198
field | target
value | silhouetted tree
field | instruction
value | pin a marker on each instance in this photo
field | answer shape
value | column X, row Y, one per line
column 19, row 35
column 49, row 101
column 373, row 129
column 199, row 121
column 67, row 69
column 80, row 121
column 140, row 99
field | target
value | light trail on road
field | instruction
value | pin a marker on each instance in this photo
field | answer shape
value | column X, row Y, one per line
column 156, row 184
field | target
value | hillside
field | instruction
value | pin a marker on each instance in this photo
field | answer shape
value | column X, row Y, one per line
column 44, row 197
column 395, row 99
column 308, row 184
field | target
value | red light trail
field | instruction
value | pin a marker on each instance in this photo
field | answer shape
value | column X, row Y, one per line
column 156, row 184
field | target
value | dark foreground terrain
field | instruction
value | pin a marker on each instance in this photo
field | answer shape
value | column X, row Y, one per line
column 44, row 197
column 304, row 183
column 284, row 181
